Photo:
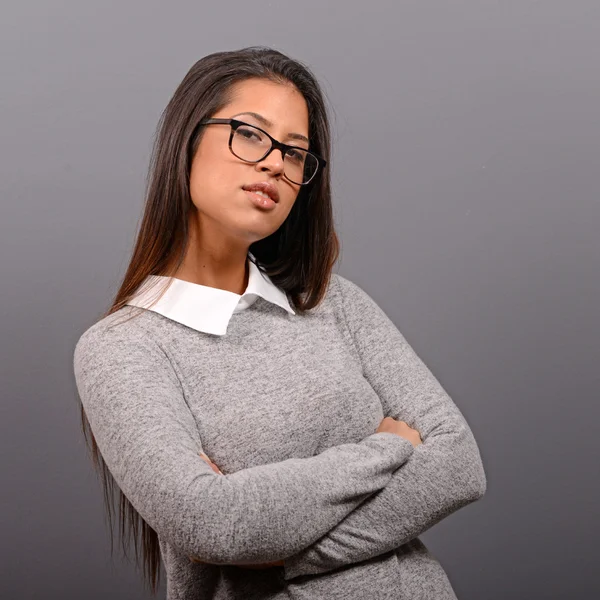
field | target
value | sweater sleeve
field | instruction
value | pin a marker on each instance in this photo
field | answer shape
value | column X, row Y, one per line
column 443, row 474
column 149, row 440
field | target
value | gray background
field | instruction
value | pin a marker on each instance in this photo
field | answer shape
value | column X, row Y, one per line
column 465, row 177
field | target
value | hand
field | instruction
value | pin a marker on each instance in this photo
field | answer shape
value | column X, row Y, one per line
column 278, row 563
column 211, row 464
column 391, row 425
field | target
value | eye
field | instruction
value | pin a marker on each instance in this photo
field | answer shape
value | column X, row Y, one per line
column 248, row 133
column 296, row 155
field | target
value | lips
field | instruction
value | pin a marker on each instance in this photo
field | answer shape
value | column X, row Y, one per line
column 266, row 187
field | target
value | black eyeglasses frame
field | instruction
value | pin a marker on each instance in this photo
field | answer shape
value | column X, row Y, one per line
column 275, row 145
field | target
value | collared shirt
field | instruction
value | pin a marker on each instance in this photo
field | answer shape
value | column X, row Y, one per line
column 206, row 308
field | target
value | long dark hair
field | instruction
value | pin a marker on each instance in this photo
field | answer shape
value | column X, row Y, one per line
column 299, row 257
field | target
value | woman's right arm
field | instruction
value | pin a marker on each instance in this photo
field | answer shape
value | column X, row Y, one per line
column 149, row 440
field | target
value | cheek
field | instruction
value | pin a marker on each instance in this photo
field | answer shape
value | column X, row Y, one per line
column 213, row 180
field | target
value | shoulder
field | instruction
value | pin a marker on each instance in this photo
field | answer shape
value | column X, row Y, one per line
column 346, row 292
column 122, row 322
column 121, row 352
column 354, row 303
column 113, row 335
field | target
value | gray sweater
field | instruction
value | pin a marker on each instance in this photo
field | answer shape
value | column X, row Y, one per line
column 286, row 406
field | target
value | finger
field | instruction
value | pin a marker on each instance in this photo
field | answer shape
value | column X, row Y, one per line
column 211, row 464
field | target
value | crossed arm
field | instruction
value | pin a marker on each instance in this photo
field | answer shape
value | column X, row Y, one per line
column 149, row 440
column 364, row 499
column 443, row 474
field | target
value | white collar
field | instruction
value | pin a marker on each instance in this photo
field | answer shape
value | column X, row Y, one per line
column 205, row 308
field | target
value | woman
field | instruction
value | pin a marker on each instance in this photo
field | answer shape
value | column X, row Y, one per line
column 271, row 432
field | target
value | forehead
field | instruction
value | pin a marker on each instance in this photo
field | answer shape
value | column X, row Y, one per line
column 281, row 104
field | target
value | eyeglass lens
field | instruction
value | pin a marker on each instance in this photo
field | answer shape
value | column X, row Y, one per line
column 251, row 144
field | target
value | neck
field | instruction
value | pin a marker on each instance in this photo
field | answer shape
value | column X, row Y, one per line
column 214, row 265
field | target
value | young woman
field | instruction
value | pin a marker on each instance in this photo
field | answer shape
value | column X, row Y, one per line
column 270, row 431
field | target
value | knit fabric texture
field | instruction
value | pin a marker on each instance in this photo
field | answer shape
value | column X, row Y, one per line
column 287, row 407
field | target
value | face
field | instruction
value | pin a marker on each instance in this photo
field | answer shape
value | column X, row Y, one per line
column 225, row 211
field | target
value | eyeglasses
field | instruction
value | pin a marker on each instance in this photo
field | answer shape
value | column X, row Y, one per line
column 253, row 144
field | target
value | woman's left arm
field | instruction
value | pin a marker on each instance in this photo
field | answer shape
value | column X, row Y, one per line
column 443, row 474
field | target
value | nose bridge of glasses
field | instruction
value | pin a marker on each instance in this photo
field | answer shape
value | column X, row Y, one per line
column 290, row 161
column 275, row 146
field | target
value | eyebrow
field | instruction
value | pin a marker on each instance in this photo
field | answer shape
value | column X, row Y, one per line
column 265, row 121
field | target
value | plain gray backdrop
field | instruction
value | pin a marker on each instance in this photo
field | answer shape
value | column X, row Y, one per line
column 466, row 187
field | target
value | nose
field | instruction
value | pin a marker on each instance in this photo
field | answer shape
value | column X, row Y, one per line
column 272, row 163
